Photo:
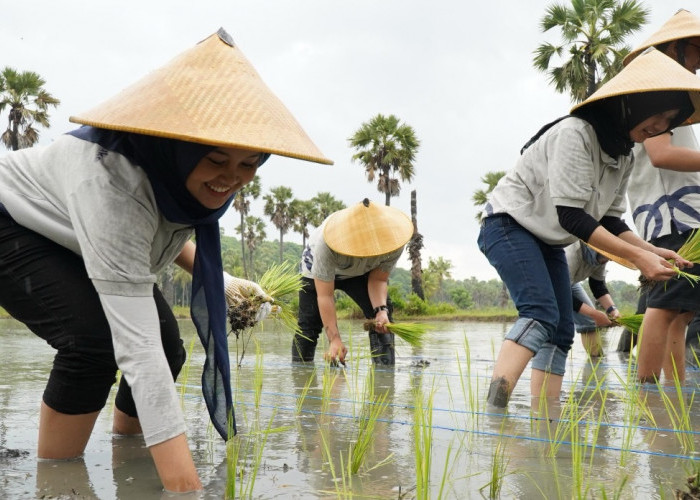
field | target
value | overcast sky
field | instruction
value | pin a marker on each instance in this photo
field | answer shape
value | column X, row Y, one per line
column 459, row 72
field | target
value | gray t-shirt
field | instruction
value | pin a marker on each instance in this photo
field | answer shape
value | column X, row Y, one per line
column 99, row 205
column 567, row 167
column 318, row 261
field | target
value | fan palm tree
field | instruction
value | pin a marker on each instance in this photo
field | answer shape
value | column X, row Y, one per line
column 304, row 213
column 386, row 148
column 254, row 233
column 241, row 203
column 414, row 247
column 278, row 208
column 438, row 270
column 28, row 102
column 480, row 197
column 592, row 48
column 325, row 204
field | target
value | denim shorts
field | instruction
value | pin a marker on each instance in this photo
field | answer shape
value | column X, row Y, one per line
column 537, row 277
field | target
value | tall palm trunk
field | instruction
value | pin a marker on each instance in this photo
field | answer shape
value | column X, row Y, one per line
column 281, row 245
column 414, row 247
column 245, row 267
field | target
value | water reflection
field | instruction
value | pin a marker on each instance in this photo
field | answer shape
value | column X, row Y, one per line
column 603, row 431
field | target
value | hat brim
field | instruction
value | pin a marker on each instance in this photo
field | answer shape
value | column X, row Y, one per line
column 682, row 24
column 367, row 230
column 620, row 260
column 651, row 71
column 209, row 94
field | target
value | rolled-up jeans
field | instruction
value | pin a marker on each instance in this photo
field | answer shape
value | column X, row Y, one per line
column 537, row 277
column 583, row 323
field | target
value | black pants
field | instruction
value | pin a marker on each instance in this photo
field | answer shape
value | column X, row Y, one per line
column 311, row 325
column 46, row 287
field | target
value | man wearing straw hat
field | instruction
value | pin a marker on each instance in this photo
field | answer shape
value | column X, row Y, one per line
column 353, row 250
column 664, row 198
column 87, row 222
column 569, row 183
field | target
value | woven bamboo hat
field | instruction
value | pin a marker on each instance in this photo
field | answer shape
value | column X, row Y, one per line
column 651, row 71
column 682, row 24
column 209, row 94
column 367, row 230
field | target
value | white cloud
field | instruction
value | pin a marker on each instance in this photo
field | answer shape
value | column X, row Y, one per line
column 459, row 72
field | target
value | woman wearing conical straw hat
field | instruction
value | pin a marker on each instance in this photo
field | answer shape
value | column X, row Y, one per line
column 569, row 183
column 88, row 221
column 664, row 198
column 353, row 250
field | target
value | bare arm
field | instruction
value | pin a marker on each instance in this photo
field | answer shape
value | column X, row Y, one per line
column 326, row 307
column 663, row 154
column 377, row 288
column 186, row 258
column 650, row 260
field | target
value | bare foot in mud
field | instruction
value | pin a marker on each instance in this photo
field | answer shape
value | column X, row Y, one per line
column 499, row 393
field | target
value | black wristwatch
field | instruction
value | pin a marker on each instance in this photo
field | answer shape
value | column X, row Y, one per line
column 383, row 307
column 610, row 309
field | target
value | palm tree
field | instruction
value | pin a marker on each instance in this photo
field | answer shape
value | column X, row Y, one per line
column 415, row 245
column 23, row 93
column 254, row 233
column 325, row 204
column 480, row 197
column 241, row 203
column 384, row 147
column 278, row 209
column 304, row 213
column 592, row 34
column 438, row 270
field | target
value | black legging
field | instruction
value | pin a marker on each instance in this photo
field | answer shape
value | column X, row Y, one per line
column 46, row 287
column 311, row 325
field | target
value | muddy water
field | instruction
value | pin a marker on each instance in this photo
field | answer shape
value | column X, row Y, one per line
column 602, row 444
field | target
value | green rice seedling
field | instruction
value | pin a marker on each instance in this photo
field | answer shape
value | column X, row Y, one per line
column 185, row 372
column 581, row 474
column 499, row 465
column 330, row 375
column 414, row 334
column 258, row 374
column 423, row 441
column 679, row 412
column 242, row 471
column 617, row 493
column 372, row 408
column 632, row 322
column 305, row 391
column 690, row 250
column 278, row 282
column 342, row 484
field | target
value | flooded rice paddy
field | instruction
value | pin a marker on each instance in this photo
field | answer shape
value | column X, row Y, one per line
column 432, row 435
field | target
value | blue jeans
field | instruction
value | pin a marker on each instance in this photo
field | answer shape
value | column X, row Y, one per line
column 537, row 277
column 584, row 324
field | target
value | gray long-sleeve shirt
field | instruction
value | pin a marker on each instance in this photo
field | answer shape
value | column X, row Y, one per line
column 98, row 204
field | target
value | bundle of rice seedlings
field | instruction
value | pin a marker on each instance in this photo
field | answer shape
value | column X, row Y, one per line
column 278, row 282
column 412, row 333
column 690, row 250
column 632, row 322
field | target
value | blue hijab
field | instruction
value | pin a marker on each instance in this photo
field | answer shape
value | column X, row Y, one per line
column 168, row 163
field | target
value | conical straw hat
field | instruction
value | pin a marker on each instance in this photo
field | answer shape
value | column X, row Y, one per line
column 620, row 260
column 683, row 24
column 367, row 230
column 651, row 71
column 209, row 94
